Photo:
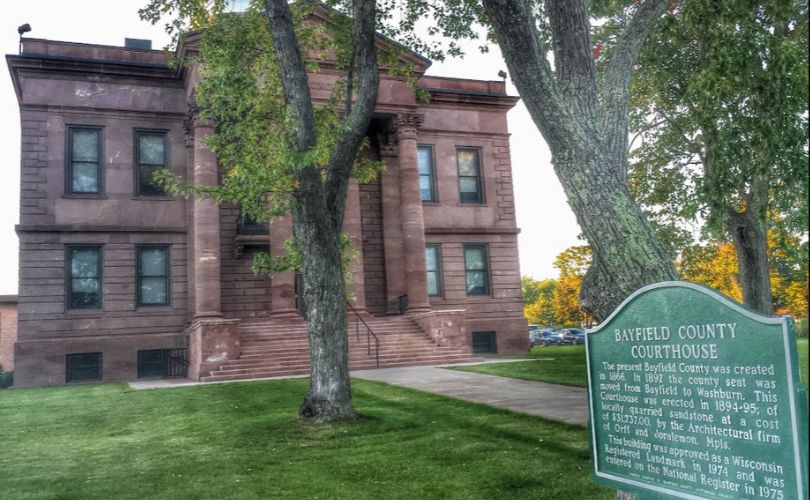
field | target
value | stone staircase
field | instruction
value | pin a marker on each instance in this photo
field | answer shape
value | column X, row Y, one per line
column 281, row 348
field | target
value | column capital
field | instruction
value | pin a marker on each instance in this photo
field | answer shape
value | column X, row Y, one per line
column 407, row 124
column 192, row 121
column 388, row 145
column 188, row 126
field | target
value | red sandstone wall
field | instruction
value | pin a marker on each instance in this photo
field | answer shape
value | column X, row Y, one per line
column 8, row 335
column 373, row 253
column 115, row 219
column 453, row 224
column 244, row 295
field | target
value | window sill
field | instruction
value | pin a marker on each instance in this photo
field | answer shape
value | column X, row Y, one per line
column 89, row 312
column 85, row 197
column 478, row 298
column 154, row 198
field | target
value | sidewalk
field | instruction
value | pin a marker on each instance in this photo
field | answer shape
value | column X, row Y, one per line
column 551, row 401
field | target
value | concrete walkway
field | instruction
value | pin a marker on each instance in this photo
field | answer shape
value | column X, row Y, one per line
column 551, row 401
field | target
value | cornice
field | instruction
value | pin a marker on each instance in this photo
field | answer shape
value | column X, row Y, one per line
column 90, row 228
column 450, row 96
column 472, row 230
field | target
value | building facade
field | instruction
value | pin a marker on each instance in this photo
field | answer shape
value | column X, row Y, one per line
column 8, row 331
column 115, row 273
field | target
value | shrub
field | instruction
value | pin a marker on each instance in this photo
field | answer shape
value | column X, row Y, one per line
column 6, row 378
column 801, row 328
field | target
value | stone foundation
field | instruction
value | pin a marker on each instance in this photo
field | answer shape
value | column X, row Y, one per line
column 211, row 343
column 446, row 328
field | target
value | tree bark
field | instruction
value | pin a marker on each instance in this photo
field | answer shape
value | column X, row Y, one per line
column 747, row 227
column 626, row 253
column 750, row 237
column 317, row 237
column 586, row 129
column 318, row 205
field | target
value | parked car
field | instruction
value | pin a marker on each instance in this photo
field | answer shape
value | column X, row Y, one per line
column 543, row 336
column 572, row 336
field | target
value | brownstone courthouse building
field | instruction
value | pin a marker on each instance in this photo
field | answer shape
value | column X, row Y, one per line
column 120, row 280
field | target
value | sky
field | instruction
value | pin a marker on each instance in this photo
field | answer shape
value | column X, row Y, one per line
column 547, row 223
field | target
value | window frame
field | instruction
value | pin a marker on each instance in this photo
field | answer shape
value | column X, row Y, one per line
column 136, row 158
column 439, row 279
column 69, row 129
column 70, row 380
column 138, row 276
column 479, row 178
column 69, row 276
column 487, row 270
column 492, row 340
column 434, row 187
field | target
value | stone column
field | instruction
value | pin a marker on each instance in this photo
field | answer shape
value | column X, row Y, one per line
column 413, row 224
column 207, row 299
column 282, row 285
column 188, row 131
column 392, row 225
column 352, row 225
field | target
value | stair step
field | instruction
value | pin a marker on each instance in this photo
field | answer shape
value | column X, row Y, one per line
column 358, row 357
column 273, row 349
column 291, row 371
column 353, row 363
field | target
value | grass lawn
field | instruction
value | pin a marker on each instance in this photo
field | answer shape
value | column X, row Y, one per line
column 244, row 441
column 804, row 363
column 566, row 365
column 563, row 364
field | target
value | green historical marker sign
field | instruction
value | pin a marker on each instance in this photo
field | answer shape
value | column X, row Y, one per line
column 694, row 396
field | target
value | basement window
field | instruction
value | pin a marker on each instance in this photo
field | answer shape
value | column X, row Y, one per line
column 83, row 367
column 484, row 343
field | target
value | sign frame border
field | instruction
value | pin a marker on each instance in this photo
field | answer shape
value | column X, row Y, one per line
column 794, row 392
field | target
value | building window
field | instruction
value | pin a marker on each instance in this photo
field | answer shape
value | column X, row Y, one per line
column 469, row 175
column 150, row 156
column 83, row 367
column 484, row 343
column 163, row 363
column 84, row 160
column 476, row 269
column 83, row 277
column 153, row 276
column 246, row 224
column 427, row 174
column 433, row 264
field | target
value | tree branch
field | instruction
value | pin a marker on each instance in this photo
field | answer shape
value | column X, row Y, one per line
column 358, row 120
column 613, row 92
column 514, row 26
column 573, row 54
column 644, row 131
column 293, row 72
column 690, row 144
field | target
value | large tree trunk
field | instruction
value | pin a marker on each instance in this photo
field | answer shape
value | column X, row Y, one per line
column 626, row 252
column 586, row 129
column 318, row 239
column 747, row 228
column 319, row 203
column 750, row 237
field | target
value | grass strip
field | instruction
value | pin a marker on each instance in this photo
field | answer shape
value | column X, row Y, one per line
column 563, row 365
column 244, row 441
column 566, row 365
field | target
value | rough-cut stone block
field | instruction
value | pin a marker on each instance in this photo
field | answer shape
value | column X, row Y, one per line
column 445, row 327
column 211, row 343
